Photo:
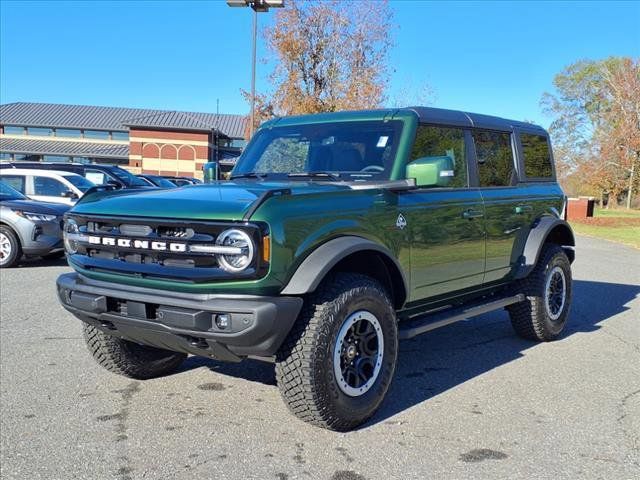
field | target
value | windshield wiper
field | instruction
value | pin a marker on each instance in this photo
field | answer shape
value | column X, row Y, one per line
column 332, row 176
column 249, row 175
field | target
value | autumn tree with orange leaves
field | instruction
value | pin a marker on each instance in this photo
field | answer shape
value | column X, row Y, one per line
column 596, row 127
column 329, row 56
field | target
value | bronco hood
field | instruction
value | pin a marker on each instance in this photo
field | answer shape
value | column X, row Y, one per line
column 228, row 200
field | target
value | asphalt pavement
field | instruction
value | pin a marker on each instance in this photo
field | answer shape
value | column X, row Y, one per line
column 470, row 400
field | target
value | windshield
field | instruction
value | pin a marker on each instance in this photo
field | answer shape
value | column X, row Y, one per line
column 8, row 193
column 79, row 182
column 161, row 181
column 129, row 179
column 354, row 150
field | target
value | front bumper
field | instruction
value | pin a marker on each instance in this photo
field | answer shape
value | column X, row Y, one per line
column 182, row 322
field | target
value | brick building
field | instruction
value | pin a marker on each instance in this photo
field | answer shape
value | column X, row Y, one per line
column 142, row 140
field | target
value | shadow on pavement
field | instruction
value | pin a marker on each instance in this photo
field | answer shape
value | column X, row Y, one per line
column 437, row 361
column 42, row 262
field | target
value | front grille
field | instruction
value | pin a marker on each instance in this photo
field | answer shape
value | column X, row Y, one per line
column 159, row 248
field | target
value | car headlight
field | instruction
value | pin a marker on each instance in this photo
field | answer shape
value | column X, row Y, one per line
column 35, row 217
column 240, row 247
column 69, row 234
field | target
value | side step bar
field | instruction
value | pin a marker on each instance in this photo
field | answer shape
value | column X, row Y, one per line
column 427, row 323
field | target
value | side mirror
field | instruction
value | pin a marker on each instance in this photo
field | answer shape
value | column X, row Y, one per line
column 431, row 171
column 70, row 194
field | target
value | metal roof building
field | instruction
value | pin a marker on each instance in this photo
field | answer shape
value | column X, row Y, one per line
column 118, row 119
column 133, row 137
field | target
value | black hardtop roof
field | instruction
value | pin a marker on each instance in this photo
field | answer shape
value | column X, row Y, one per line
column 468, row 119
column 438, row 116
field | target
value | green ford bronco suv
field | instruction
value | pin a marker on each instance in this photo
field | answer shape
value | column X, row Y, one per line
column 338, row 235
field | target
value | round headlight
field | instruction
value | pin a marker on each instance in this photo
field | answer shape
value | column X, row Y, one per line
column 70, row 230
column 237, row 239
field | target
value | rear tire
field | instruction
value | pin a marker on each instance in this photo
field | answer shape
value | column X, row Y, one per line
column 337, row 363
column 128, row 358
column 543, row 314
column 10, row 248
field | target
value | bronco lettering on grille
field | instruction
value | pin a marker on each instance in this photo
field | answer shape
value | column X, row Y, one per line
column 138, row 244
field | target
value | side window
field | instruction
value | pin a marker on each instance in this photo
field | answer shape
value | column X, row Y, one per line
column 435, row 142
column 48, row 186
column 287, row 154
column 14, row 181
column 537, row 157
column 495, row 158
column 99, row 178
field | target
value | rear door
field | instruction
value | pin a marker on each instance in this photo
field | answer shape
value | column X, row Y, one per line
column 444, row 225
column 506, row 215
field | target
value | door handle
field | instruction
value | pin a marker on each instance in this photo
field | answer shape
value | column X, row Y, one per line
column 471, row 214
column 521, row 209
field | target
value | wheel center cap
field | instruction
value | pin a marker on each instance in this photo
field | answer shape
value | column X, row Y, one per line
column 351, row 352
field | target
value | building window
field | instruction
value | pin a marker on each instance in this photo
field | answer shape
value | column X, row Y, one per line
column 81, row 160
column 537, row 157
column 123, row 136
column 41, row 132
column 27, row 158
column 56, row 158
column 97, row 134
column 495, row 158
column 11, row 130
column 68, row 132
column 5, row 156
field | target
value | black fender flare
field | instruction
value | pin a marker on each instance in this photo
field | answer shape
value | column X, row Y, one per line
column 547, row 228
column 318, row 263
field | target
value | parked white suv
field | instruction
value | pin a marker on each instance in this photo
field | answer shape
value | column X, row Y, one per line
column 46, row 185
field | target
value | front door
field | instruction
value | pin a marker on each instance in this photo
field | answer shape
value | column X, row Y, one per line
column 48, row 189
column 445, row 225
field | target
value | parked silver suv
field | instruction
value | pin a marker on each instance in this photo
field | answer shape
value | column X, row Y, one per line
column 28, row 228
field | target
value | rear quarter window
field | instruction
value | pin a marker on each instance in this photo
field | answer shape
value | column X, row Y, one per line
column 14, row 181
column 537, row 156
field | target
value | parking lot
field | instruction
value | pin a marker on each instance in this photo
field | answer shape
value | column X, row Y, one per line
column 469, row 401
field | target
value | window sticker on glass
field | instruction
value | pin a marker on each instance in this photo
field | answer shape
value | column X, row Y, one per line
column 382, row 141
column 95, row 177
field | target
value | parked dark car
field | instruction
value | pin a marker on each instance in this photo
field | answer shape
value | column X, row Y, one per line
column 157, row 181
column 28, row 227
column 96, row 173
column 183, row 181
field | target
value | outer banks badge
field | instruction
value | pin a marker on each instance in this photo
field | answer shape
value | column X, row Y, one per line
column 401, row 222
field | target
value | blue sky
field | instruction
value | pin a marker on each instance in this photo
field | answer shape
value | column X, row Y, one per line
column 496, row 58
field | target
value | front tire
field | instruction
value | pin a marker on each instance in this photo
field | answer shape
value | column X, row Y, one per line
column 128, row 358
column 10, row 248
column 337, row 363
column 543, row 314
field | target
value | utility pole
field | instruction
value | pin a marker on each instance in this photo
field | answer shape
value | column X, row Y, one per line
column 256, row 6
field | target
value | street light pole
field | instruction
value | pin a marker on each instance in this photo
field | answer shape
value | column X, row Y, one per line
column 256, row 6
column 253, row 73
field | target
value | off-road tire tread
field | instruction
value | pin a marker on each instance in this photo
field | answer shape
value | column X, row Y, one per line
column 129, row 359
column 527, row 317
column 297, row 364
